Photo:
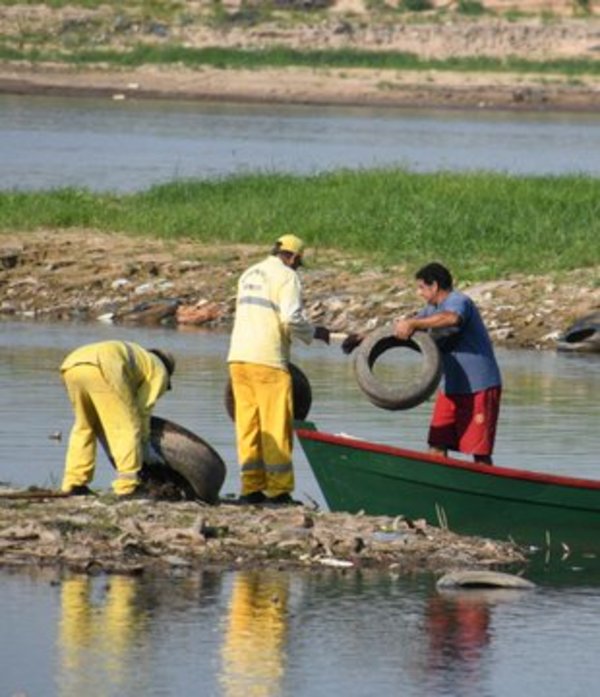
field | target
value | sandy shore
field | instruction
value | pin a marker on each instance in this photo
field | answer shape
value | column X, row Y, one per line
column 350, row 87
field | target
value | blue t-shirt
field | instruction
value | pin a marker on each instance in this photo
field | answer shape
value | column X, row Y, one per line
column 467, row 355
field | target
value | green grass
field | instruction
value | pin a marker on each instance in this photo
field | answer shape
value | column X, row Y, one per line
column 485, row 225
column 280, row 57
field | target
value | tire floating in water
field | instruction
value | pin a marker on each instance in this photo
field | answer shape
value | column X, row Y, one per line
column 483, row 579
column 395, row 396
column 582, row 335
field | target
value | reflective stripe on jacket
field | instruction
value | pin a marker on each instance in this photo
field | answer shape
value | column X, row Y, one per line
column 268, row 315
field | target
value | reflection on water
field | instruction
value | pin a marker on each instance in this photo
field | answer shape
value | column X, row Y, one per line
column 102, row 144
column 96, row 634
column 254, row 644
column 273, row 633
column 459, row 637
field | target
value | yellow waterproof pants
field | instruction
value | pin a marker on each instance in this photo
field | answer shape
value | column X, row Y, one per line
column 263, row 427
column 99, row 412
column 253, row 652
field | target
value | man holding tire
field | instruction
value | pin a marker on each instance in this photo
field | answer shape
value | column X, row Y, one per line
column 268, row 316
column 466, row 409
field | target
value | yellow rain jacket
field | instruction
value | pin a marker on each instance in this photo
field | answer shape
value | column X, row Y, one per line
column 268, row 315
column 113, row 386
column 129, row 370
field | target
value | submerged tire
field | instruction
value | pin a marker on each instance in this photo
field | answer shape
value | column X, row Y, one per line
column 483, row 579
column 301, row 395
column 582, row 335
column 191, row 463
column 393, row 396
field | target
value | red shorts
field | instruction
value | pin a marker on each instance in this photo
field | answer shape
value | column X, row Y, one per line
column 466, row 422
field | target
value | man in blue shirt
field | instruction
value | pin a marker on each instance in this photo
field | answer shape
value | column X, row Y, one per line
column 466, row 409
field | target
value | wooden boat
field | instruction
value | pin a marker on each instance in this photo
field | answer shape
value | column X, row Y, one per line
column 542, row 511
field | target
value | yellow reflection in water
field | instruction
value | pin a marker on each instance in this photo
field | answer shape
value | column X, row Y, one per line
column 95, row 638
column 254, row 651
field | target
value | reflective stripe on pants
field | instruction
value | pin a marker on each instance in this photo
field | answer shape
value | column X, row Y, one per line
column 263, row 425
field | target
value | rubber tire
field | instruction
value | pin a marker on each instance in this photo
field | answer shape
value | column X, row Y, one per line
column 395, row 397
column 301, row 395
column 585, row 332
column 191, row 462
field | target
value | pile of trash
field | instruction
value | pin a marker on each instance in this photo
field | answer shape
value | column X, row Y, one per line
column 101, row 535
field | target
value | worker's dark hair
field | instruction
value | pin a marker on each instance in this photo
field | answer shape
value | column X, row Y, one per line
column 168, row 360
column 276, row 251
column 435, row 273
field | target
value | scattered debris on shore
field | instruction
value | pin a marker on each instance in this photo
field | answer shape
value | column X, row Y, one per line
column 99, row 535
column 86, row 275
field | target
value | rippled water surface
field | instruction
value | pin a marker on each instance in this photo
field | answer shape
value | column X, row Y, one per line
column 272, row 633
column 106, row 145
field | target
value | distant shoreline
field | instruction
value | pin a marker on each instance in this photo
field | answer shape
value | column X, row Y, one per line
column 303, row 86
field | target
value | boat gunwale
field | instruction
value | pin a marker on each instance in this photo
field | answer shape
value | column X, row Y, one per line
column 491, row 471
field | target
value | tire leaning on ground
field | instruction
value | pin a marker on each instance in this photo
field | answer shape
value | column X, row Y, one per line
column 190, row 462
column 393, row 396
column 301, row 395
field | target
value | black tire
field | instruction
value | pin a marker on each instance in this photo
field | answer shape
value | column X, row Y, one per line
column 392, row 396
column 191, row 463
column 301, row 395
column 582, row 335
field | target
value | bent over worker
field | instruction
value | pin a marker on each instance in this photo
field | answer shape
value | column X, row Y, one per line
column 268, row 316
column 113, row 386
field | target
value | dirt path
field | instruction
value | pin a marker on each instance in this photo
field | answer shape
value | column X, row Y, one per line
column 49, row 275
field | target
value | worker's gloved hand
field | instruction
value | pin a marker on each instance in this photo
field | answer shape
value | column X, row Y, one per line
column 151, row 455
column 322, row 333
column 351, row 342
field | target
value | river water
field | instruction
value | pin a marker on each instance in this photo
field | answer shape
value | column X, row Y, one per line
column 272, row 633
column 126, row 146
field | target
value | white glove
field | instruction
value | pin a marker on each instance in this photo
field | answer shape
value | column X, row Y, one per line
column 152, row 455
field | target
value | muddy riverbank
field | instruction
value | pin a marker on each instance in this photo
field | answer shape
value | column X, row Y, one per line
column 97, row 535
column 89, row 276
column 293, row 85
column 35, row 33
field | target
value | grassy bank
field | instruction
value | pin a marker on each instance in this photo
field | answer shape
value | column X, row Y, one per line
column 486, row 225
column 281, row 57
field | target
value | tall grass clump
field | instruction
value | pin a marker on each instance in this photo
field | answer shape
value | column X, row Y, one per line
column 483, row 224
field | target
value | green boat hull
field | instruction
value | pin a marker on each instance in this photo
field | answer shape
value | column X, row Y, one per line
column 543, row 511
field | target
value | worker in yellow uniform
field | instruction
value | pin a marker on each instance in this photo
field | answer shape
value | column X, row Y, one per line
column 268, row 316
column 113, row 386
